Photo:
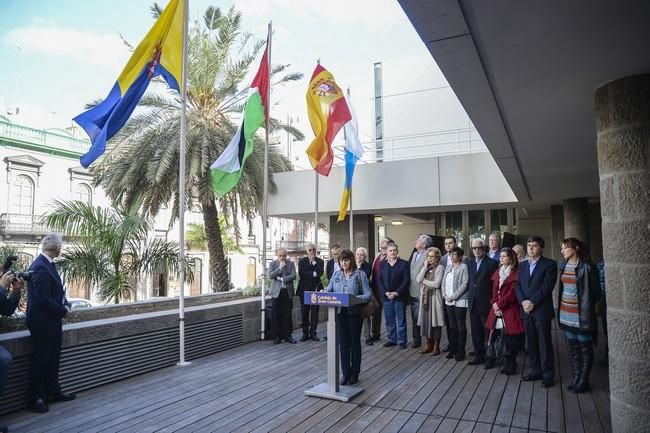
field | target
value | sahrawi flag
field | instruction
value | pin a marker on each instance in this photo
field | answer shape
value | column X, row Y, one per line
column 227, row 169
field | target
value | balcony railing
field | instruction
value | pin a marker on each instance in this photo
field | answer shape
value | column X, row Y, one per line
column 439, row 143
column 22, row 224
column 41, row 137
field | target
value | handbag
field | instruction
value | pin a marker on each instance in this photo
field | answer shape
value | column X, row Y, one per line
column 370, row 307
column 499, row 342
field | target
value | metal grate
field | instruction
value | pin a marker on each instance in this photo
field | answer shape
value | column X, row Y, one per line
column 89, row 365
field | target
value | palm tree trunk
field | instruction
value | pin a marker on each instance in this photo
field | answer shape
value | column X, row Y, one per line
column 219, row 279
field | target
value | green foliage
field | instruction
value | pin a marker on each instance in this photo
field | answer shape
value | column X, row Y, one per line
column 112, row 250
column 197, row 239
column 251, row 291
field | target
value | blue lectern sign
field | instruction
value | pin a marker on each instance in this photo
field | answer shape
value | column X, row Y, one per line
column 330, row 299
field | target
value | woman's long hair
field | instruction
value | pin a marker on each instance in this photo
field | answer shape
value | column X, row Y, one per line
column 580, row 247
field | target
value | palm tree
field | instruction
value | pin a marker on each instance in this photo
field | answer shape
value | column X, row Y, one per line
column 112, row 249
column 141, row 163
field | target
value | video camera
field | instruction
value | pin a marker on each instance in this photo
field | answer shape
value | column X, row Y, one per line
column 9, row 262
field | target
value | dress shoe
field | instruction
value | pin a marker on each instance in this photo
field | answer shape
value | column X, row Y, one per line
column 460, row 356
column 547, row 383
column 416, row 344
column 314, row 338
column 531, row 377
column 290, row 340
column 353, row 379
column 4, row 429
column 489, row 363
column 276, row 340
column 344, row 380
column 304, row 337
column 389, row 344
column 376, row 338
column 476, row 361
column 369, row 342
column 61, row 397
column 450, row 355
column 38, row 406
column 402, row 345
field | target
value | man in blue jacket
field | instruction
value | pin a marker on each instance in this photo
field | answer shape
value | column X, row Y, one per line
column 46, row 308
column 393, row 283
column 537, row 277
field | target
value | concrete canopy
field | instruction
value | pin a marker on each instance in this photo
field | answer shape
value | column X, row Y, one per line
column 526, row 73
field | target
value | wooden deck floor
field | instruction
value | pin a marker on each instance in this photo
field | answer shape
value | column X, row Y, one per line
column 259, row 387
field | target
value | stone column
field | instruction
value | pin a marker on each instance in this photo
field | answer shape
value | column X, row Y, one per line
column 623, row 131
column 576, row 219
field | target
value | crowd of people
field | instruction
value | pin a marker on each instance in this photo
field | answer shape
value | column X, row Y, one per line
column 507, row 293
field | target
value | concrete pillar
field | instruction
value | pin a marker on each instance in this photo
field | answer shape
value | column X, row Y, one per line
column 364, row 232
column 623, row 137
column 576, row 219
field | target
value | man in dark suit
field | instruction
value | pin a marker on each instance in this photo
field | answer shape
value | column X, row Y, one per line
column 333, row 263
column 310, row 269
column 480, row 293
column 394, row 285
column 537, row 277
column 282, row 273
column 46, row 308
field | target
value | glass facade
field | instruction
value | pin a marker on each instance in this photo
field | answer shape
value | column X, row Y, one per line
column 454, row 226
column 477, row 224
column 499, row 220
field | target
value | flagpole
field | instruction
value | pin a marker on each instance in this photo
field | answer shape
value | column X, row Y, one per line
column 316, row 210
column 350, row 192
column 181, row 197
column 266, row 187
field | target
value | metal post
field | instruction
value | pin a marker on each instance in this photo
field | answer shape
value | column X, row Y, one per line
column 181, row 196
column 316, row 210
column 266, row 189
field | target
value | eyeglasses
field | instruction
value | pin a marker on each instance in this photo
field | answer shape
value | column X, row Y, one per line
column 432, row 256
column 477, row 248
column 311, row 249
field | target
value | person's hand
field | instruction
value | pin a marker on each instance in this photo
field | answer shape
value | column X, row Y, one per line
column 17, row 285
column 282, row 264
column 530, row 307
column 495, row 307
column 498, row 313
column 524, row 305
column 6, row 279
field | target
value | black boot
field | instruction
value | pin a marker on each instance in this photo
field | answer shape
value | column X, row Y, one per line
column 575, row 357
column 587, row 352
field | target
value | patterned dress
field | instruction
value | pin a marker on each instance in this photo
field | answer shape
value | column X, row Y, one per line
column 569, row 314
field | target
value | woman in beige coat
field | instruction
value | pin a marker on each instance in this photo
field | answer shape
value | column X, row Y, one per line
column 430, row 317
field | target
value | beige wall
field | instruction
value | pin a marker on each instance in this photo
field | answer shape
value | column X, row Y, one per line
column 406, row 235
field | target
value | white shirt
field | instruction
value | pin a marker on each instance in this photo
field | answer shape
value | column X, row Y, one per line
column 449, row 286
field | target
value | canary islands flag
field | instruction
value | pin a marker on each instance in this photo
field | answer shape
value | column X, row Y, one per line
column 159, row 53
column 328, row 112
column 227, row 169
column 353, row 153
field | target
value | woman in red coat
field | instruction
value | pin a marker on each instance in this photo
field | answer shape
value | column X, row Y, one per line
column 505, row 308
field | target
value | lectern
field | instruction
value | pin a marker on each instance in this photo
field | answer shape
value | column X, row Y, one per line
column 332, row 389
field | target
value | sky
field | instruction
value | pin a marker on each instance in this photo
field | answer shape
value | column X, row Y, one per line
column 56, row 56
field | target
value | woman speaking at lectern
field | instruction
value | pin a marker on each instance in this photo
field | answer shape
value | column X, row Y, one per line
column 348, row 279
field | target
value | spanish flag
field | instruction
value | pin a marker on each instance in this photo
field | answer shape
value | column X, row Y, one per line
column 353, row 153
column 328, row 112
column 226, row 170
column 159, row 53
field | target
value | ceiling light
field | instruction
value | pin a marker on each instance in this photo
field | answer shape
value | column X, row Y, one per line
column 378, row 218
column 397, row 222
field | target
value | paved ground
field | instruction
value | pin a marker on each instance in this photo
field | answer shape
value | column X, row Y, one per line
column 259, row 387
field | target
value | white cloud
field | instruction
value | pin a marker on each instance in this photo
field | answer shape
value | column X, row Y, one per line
column 98, row 49
column 375, row 15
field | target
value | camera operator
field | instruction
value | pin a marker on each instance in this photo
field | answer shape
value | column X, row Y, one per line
column 11, row 285
column 46, row 308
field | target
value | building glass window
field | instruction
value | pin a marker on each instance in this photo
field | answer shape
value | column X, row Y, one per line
column 454, row 226
column 84, row 193
column 499, row 220
column 22, row 196
column 476, row 224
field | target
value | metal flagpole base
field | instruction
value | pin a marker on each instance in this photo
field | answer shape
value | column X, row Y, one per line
column 183, row 364
column 345, row 393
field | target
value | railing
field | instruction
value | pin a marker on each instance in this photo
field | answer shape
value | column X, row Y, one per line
column 299, row 245
column 22, row 224
column 43, row 137
column 439, row 143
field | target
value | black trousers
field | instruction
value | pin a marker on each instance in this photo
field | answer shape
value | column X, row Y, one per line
column 540, row 347
column 457, row 330
column 350, row 343
column 477, row 322
column 282, row 315
column 309, row 315
column 46, row 357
